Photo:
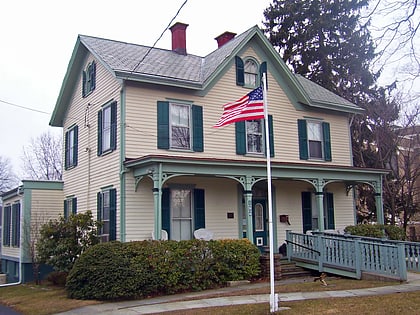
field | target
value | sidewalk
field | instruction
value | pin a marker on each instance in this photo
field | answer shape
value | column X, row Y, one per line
column 174, row 302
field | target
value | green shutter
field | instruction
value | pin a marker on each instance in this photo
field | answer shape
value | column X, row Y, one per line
column 74, row 205
column 330, row 211
column 263, row 69
column 163, row 125
column 166, row 213
column 199, row 209
column 93, row 76
column 99, row 133
column 66, row 150
column 113, row 125
column 240, row 136
column 99, row 206
column 16, row 225
column 112, row 214
column 271, row 135
column 327, row 141
column 303, row 139
column 66, row 210
column 75, row 145
column 197, row 120
column 240, row 76
column 306, row 211
column 83, row 83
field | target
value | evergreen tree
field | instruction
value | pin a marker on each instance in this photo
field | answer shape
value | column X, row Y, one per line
column 323, row 41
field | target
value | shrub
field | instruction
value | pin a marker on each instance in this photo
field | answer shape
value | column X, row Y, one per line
column 391, row 232
column 62, row 241
column 140, row 269
column 103, row 272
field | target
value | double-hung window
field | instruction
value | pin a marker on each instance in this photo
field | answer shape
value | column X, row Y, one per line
column 180, row 121
column 179, row 126
column 70, row 206
column 254, row 136
column 250, row 137
column 7, row 221
column 314, row 140
column 107, row 128
column 183, row 211
column 71, row 147
column 89, row 79
column 251, row 73
column 106, row 213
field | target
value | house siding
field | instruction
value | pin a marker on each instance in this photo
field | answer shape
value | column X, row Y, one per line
column 142, row 121
column 92, row 172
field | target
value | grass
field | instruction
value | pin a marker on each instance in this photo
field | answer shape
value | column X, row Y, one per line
column 46, row 300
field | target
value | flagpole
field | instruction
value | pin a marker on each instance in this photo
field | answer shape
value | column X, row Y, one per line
column 273, row 297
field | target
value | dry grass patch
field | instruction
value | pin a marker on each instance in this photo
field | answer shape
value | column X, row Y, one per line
column 390, row 304
column 39, row 300
column 45, row 300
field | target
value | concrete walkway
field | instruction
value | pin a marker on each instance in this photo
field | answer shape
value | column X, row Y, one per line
column 175, row 302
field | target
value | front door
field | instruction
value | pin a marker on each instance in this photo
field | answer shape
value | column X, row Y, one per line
column 259, row 221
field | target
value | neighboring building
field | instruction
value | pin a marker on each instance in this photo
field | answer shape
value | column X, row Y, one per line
column 409, row 172
column 25, row 209
column 141, row 151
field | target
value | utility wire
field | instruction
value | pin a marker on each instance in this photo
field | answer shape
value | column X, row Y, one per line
column 24, row 107
column 150, row 49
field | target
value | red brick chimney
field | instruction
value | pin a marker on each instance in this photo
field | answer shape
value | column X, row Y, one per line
column 179, row 44
column 224, row 38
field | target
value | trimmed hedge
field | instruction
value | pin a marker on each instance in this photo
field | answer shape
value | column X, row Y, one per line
column 391, row 232
column 117, row 270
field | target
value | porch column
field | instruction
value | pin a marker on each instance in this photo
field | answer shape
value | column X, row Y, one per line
column 379, row 202
column 319, row 195
column 157, row 201
column 248, row 209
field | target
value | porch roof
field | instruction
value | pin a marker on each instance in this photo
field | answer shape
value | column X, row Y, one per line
column 254, row 168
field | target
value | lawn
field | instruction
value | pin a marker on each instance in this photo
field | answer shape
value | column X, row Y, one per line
column 44, row 300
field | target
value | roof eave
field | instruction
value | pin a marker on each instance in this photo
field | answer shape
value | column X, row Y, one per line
column 159, row 80
column 67, row 88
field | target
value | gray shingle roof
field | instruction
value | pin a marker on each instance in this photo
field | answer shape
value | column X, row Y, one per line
column 130, row 59
column 318, row 94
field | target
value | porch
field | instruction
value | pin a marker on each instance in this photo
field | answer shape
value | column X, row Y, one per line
column 353, row 256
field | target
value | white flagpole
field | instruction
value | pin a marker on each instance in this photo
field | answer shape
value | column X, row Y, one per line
column 273, row 297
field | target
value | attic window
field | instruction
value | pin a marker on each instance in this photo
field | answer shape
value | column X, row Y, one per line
column 251, row 73
column 89, row 79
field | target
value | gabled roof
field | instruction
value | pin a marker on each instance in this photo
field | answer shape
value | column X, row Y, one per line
column 133, row 62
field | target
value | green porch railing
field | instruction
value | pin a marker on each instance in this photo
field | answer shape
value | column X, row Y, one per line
column 346, row 256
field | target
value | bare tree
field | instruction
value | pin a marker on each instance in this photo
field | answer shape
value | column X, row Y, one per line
column 42, row 158
column 408, row 173
column 33, row 233
column 7, row 178
column 394, row 27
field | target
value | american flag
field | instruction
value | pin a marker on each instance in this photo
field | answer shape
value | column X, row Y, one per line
column 248, row 107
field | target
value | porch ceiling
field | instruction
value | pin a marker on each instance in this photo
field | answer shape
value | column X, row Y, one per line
column 254, row 168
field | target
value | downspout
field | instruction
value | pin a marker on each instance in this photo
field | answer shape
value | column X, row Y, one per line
column 20, row 247
column 122, row 168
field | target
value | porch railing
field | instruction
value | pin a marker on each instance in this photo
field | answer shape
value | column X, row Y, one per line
column 411, row 249
column 346, row 256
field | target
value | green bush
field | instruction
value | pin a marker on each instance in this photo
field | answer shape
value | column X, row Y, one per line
column 139, row 269
column 63, row 240
column 391, row 232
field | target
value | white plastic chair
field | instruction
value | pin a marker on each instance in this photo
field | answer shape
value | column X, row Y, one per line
column 203, row 234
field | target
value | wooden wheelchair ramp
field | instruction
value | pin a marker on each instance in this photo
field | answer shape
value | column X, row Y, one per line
column 347, row 256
